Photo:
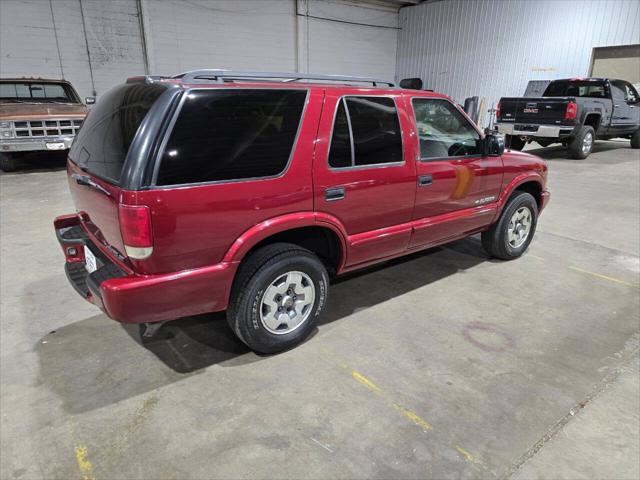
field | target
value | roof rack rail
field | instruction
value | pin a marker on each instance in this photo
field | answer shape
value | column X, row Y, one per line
column 221, row 75
column 146, row 78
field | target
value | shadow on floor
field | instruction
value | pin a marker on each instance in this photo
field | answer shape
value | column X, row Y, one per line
column 97, row 362
column 39, row 162
column 559, row 152
column 192, row 343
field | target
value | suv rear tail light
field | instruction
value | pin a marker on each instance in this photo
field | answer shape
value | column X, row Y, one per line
column 137, row 234
column 498, row 111
column 571, row 112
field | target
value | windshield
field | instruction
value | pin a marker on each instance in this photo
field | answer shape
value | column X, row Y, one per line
column 37, row 92
column 567, row 88
column 101, row 145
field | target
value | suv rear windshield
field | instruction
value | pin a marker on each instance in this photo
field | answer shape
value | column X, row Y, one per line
column 566, row 88
column 40, row 92
column 102, row 143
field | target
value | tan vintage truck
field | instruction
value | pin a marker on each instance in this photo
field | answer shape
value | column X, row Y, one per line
column 37, row 115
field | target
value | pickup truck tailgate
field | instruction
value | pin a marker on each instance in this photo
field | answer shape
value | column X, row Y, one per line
column 536, row 111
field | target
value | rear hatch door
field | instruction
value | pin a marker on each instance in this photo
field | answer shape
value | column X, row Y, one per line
column 541, row 111
column 97, row 157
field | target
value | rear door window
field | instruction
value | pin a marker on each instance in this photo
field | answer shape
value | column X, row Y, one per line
column 102, row 143
column 366, row 131
column 443, row 131
column 232, row 134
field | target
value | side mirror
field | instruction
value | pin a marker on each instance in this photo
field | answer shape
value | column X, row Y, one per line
column 411, row 83
column 493, row 145
column 90, row 100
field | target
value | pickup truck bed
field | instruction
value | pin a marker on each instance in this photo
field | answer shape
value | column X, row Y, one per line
column 596, row 109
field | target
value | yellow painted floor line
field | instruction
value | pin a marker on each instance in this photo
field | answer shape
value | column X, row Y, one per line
column 365, row 381
column 414, row 417
column 467, row 456
column 406, row 413
column 83, row 463
column 604, row 277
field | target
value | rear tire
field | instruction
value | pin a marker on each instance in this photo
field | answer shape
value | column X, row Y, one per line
column 581, row 145
column 7, row 162
column 267, row 309
column 635, row 139
column 514, row 143
column 511, row 235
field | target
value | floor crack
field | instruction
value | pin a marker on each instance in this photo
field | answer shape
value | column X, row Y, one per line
column 602, row 385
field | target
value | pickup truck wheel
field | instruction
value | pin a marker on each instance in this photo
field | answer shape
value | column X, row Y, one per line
column 511, row 235
column 7, row 162
column 635, row 139
column 582, row 144
column 278, row 294
column 514, row 143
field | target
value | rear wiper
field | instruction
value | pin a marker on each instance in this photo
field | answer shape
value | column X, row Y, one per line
column 86, row 181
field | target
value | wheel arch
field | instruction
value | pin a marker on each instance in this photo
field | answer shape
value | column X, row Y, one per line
column 323, row 235
column 529, row 182
column 593, row 119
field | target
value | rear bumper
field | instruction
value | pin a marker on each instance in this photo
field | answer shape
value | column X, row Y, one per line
column 526, row 130
column 36, row 144
column 130, row 298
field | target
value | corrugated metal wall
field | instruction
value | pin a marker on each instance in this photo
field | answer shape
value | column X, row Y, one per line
column 52, row 39
column 98, row 43
column 493, row 48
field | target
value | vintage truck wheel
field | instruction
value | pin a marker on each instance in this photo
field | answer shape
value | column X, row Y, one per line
column 635, row 139
column 7, row 162
column 514, row 143
column 582, row 144
column 277, row 296
column 511, row 235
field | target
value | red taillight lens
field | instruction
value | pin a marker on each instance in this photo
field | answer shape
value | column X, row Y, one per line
column 498, row 111
column 571, row 112
column 135, row 226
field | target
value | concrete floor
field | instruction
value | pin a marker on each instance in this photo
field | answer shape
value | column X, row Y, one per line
column 442, row 365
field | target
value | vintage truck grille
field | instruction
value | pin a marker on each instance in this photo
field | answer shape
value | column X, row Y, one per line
column 46, row 128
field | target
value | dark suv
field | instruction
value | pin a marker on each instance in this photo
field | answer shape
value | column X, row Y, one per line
column 217, row 190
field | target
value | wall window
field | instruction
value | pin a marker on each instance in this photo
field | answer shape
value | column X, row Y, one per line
column 443, row 131
column 366, row 132
column 232, row 134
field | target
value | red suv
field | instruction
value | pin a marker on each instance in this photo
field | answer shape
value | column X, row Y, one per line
column 218, row 190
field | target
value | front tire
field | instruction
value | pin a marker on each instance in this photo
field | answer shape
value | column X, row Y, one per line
column 635, row 139
column 511, row 235
column 7, row 162
column 582, row 144
column 514, row 143
column 277, row 297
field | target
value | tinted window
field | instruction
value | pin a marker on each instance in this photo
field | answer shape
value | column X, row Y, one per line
column 340, row 152
column 564, row 88
column 102, row 143
column 375, row 129
column 624, row 90
column 232, row 134
column 443, row 131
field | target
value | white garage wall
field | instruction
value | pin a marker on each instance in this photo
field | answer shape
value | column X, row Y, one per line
column 362, row 47
column 28, row 47
column 250, row 34
column 493, row 48
column 101, row 42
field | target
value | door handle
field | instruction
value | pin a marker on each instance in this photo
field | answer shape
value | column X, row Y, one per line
column 425, row 180
column 334, row 193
